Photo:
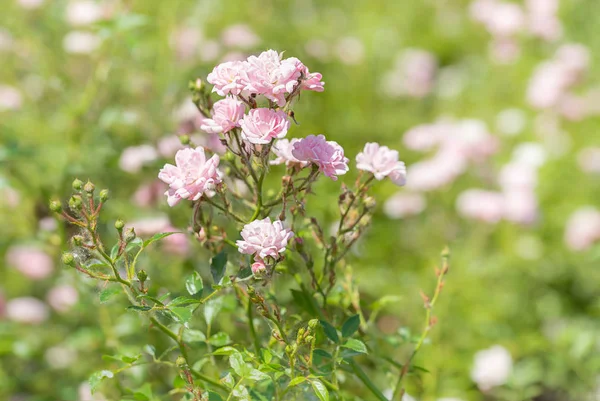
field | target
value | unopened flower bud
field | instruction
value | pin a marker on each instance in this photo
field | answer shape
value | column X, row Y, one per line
column 77, row 184
column 289, row 349
column 201, row 235
column 180, row 362
column 77, row 240
column 370, row 203
column 184, row 139
column 309, row 339
column 198, row 84
column 300, row 334
column 313, row 324
column 258, row 268
column 229, row 157
column 129, row 235
column 119, row 224
column 89, row 187
column 446, row 252
column 142, row 275
column 104, row 195
column 75, row 202
column 68, row 259
column 55, row 206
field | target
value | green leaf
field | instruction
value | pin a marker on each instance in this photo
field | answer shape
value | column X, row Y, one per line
column 193, row 336
column 139, row 308
column 212, row 396
column 143, row 393
column 219, row 339
column 108, row 293
column 257, row 375
column 150, row 350
column 194, row 285
column 323, row 353
column 97, row 377
column 114, row 251
column 320, row 390
column 157, row 237
column 356, row 345
column 225, row 351
column 212, row 309
column 228, row 380
column 330, row 331
column 236, row 361
column 297, row 380
column 182, row 314
column 184, row 301
column 217, row 266
column 350, row 326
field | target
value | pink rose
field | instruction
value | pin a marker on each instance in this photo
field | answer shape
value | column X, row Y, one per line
column 226, row 115
column 62, row 297
column 270, row 77
column 283, row 150
column 481, row 205
column 382, row 162
column 262, row 125
column 191, row 177
column 263, row 238
column 27, row 310
column 328, row 155
column 31, row 261
column 229, row 77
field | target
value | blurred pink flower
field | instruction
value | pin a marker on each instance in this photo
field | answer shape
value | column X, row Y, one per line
column 186, row 42
column 520, row 206
column 542, row 19
column 10, row 98
column 505, row 50
column 413, row 75
column 283, row 150
column 262, row 125
column 27, row 310
column 226, row 114
column 62, row 297
column 263, row 238
column 31, row 261
column 149, row 194
column 436, row 172
column 589, row 160
column 492, row 367
column 583, row 228
column 169, row 145
column 134, row 158
column 350, row 50
column 229, row 77
column 150, row 225
column 239, row 35
column 83, row 12
column 328, row 155
column 177, row 244
column 425, row 137
column 192, row 177
column 517, row 176
column 310, row 81
column 81, row 42
column 30, row 4
column 382, row 162
column 481, row 205
column 403, row 204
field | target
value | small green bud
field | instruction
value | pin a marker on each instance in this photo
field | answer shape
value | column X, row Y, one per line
column 446, row 252
column 198, row 84
column 77, row 240
column 68, row 259
column 289, row 349
column 309, row 339
column 75, row 202
column 229, row 157
column 142, row 275
column 119, row 224
column 77, row 184
column 89, row 187
column 104, row 194
column 180, row 362
column 55, row 206
column 184, row 139
column 313, row 324
column 300, row 334
column 129, row 235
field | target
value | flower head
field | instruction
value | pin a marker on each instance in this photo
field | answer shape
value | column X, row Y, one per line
column 263, row 238
column 382, row 162
column 229, row 77
column 270, row 77
column 260, row 126
column 283, row 150
column 328, row 155
column 191, row 177
column 226, row 115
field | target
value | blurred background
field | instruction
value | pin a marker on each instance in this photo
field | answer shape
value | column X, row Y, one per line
column 494, row 106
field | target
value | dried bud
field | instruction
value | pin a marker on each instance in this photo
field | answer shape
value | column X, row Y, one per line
column 77, row 184
column 77, row 240
column 68, row 259
column 104, row 195
column 75, row 202
column 129, row 235
column 55, row 206
column 119, row 224
column 184, row 139
column 142, row 275
column 89, row 187
column 313, row 324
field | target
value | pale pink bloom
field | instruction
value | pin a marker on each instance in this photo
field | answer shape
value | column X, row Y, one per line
column 481, row 205
column 506, row 19
column 31, row 261
column 589, row 160
column 262, row 125
column 404, row 204
column 413, row 74
column 10, row 98
column 327, row 155
column 81, row 42
column 239, row 35
column 226, row 114
column 47, row 224
column 518, row 176
column 481, row 10
column 191, row 177
column 209, row 50
column 149, row 194
column 271, row 77
column 283, row 150
column 30, row 4
column 229, row 77
column 531, row 154
column 511, row 122
column 61, row 298
column 309, row 81
column 186, row 42
column 264, row 239
column 542, row 19
column 574, row 107
column 583, row 228
column 83, row 12
column 150, row 225
column 472, row 139
column 520, row 206
column 168, row 145
column 505, row 50
column 27, row 310
column 175, row 243
column 134, row 158
column 426, row 136
column 437, row 172
column 575, row 59
column 350, row 50
column 259, row 268
column 233, row 56
column 213, row 143
column 382, row 162
column 492, row 367
column 317, row 48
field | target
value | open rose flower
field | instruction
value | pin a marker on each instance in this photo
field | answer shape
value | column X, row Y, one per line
column 226, row 115
column 327, row 155
column 191, row 177
column 270, row 77
column 382, row 162
column 263, row 238
column 229, row 77
column 283, row 150
column 262, row 125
